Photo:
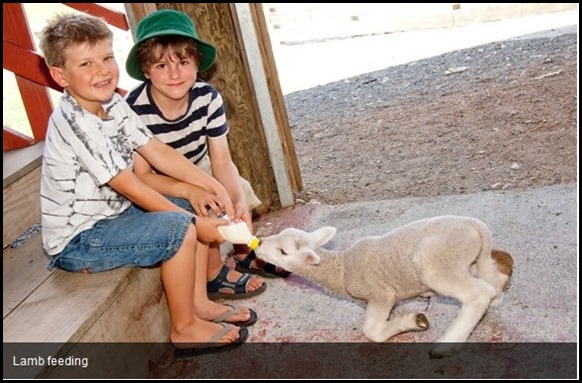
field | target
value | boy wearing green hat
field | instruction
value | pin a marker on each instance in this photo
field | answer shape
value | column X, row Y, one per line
column 96, row 213
column 188, row 114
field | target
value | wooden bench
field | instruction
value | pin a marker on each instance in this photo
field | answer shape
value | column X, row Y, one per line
column 40, row 306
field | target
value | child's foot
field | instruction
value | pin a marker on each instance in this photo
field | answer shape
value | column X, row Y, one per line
column 232, row 284
column 220, row 341
column 216, row 312
column 202, row 331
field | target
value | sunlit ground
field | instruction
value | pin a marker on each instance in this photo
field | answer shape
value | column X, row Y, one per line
column 303, row 66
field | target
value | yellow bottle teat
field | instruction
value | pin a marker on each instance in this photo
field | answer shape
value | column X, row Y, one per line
column 239, row 233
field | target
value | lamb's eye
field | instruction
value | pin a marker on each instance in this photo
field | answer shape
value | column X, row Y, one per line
column 283, row 252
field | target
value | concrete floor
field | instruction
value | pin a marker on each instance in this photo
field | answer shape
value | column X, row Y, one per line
column 304, row 331
column 538, row 227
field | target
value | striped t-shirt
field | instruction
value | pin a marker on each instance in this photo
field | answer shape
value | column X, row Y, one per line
column 204, row 119
column 82, row 153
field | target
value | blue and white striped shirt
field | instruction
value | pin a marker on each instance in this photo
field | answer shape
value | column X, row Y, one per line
column 204, row 119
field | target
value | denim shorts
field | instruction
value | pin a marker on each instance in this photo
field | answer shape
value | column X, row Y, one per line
column 135, row 238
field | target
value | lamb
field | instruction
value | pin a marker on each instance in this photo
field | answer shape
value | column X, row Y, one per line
column 447, row 255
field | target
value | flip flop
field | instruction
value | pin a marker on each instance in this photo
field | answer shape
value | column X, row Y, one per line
column 221, row 288
column 265, row 269
column 212, row 345
column 234, row 311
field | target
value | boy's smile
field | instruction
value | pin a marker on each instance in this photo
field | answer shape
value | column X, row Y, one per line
column 90, row 74
column 172, row 77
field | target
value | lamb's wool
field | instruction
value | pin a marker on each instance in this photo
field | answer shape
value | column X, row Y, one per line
column 448, row 255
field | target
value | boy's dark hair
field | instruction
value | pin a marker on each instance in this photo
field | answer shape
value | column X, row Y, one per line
column 65, row 30
column 149, row 51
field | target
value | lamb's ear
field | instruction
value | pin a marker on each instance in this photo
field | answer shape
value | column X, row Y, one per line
column 324, row 234
column 311, row 258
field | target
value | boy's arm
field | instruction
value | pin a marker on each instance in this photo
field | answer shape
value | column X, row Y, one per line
column 172, row 163
column 226, row 172
column 127, row 184
column 200, row 199
column 130, row 186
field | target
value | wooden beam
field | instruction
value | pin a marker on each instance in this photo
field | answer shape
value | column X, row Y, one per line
column 28, row 64
column 12, row 139
column 111, row 16
column 264, row 103
column 137, row 11
column 277, row 98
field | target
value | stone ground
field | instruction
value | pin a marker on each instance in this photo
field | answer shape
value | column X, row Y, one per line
column 499, row 116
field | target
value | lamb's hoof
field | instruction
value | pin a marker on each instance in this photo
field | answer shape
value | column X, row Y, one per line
column 443, row 350
column 422, row 321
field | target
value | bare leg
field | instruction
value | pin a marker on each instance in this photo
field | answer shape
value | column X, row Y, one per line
column 205, row 308
column 178, row 278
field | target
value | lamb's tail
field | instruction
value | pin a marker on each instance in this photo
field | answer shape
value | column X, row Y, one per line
column 495, row 266
column 504, row 263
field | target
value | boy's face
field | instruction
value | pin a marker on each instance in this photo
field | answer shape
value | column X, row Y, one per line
column 90, row 74
column 172, row 77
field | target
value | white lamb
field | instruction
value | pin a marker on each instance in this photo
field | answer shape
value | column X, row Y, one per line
column 448, row 255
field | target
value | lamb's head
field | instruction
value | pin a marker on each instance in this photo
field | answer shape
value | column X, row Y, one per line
column 293, row 248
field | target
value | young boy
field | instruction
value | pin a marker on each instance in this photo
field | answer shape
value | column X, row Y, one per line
column 187, row 113
column 96, row 213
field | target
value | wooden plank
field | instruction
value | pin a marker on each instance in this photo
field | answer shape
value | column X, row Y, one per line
column 137, row 11
column 113, row 17
column 140, row 314
column 264, row 102
column 24, row 269
column 29, row 64
column 35, row 97
column 17, row 163
column 21, row 206
column 277, row 98
column 136, row 312
column 12, row 139
column 15, row 26
column 38, row 105
column 65, row 306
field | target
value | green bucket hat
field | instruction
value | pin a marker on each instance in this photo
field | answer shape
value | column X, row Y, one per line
column 163, row 23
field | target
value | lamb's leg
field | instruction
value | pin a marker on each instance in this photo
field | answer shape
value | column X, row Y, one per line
column 380, row 326
column 475, row 295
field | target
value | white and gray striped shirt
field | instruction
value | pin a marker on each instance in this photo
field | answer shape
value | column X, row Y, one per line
column 82, row 154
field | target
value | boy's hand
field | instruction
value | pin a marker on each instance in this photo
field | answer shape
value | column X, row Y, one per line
column 202, row 200
column 206, row 228
column 242, row 213
column 226, row 205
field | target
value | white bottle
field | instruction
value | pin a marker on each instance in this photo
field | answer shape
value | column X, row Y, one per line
column 239, row 234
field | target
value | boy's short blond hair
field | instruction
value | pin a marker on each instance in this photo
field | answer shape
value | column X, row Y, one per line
column 65, row 30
